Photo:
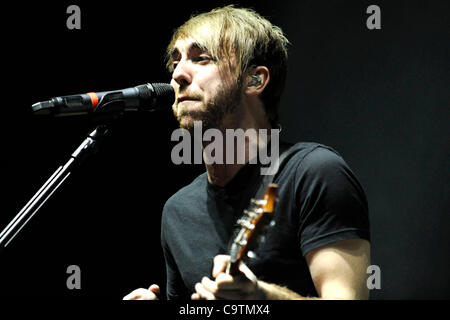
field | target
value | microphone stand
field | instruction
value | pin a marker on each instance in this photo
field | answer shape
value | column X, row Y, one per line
column 88, row 146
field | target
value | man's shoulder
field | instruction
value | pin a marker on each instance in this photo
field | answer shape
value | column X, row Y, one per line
column 311, row 156
column 190, row 192
column 315, row 167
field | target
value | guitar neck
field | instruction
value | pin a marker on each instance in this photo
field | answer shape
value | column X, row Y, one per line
column 236, row 253
column 232, row 268
column 253, row 222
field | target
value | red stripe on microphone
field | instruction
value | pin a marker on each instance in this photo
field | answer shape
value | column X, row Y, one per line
column 94, row 99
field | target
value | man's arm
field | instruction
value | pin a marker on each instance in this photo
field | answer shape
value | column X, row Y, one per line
column 338, row 271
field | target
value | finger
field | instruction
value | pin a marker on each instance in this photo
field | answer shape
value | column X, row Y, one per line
column 133, row 295
column 209, row 285
column 203, row 292
column 226, row 282
column 154, row 288
column 245, row 275
column 238, row 287
column 247, row 272
column 232, row 294
column 195, row 296
column 140, row 294
column 220, row 264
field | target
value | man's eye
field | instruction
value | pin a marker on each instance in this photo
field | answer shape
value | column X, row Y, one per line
column 202, row 58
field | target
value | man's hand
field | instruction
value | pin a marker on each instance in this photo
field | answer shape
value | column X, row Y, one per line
column 144, row 294
column 240, row 287
column 338, row 271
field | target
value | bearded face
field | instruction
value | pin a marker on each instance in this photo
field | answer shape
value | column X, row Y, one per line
column 209, row 111
column 205, row 92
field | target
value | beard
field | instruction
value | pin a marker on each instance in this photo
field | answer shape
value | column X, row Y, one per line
column 223, row 103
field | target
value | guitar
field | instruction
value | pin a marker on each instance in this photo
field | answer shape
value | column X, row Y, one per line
column 253, row 225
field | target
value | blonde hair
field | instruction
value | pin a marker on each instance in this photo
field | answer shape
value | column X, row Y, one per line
column 247, row 37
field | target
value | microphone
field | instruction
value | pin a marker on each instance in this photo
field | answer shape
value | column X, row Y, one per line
column 146, row 97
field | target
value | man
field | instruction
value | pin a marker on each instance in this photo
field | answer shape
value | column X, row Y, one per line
column 228, row 70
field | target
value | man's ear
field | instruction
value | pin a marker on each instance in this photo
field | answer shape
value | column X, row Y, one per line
column 257, row 80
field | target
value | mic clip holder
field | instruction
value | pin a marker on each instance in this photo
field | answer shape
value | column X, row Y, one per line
column 87, row 147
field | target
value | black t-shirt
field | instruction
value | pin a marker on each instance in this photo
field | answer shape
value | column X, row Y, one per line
column 320, row 201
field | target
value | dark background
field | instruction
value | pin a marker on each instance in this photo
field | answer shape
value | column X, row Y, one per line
column 379, row 97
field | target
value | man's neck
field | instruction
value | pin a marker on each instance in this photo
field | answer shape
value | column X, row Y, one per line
column 222, row 174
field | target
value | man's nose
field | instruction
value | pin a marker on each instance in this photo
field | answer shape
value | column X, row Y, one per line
column 182, row 74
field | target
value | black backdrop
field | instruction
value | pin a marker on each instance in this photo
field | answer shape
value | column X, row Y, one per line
column 380, row 97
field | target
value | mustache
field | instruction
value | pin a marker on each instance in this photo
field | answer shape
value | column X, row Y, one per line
column 190, row 95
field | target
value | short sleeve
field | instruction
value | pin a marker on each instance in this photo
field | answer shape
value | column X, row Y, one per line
column 332, row 203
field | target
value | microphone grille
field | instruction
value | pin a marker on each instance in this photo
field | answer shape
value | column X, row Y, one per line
column 163, row 89
column 161, row 95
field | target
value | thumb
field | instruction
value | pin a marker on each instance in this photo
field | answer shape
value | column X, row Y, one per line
column 220, row 264
column 154, row 288
column 247, row 272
